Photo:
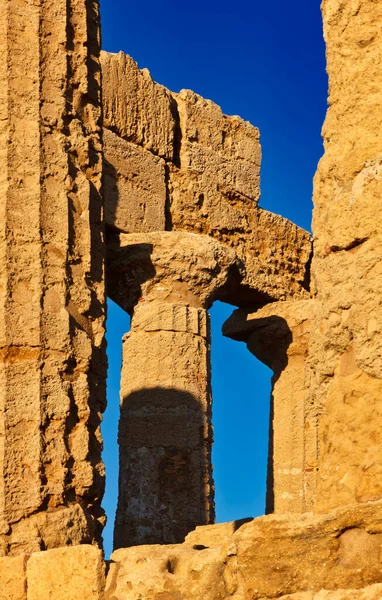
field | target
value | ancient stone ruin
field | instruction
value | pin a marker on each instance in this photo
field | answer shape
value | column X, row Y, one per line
column 124, row 189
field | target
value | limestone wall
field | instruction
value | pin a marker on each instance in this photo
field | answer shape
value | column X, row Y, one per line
column 345, row 351
column 52, row 354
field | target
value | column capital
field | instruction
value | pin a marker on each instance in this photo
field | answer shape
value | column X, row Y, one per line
column 174, row 267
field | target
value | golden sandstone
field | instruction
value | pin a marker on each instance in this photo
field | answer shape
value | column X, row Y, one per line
column 175, row 226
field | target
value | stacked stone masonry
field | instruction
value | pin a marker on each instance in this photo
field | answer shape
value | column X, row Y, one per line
column 181, row 192
column 175, row 162
column 336, row 556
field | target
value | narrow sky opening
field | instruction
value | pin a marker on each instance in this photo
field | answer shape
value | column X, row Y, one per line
column 241, row 387
column 240, row 391
column 118, row 323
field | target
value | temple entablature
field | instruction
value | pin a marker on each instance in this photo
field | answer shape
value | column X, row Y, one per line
column 175, row 162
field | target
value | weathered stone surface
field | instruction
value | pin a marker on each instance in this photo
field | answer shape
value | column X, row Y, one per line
column 135, row 107
column 219, row 167
column 345, row 354
column 166, row 573
column 285, row 554
column 371, row 592
column 212, row 179
column 170, row 267
column 50, row 529
column 134, row 184
column 52, row 359
column 73, row 573
column 13, row 579
column 301, row 557
column 165, row 432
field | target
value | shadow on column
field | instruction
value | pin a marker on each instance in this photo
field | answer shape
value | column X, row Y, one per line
column 165, row 478
column 269, row 342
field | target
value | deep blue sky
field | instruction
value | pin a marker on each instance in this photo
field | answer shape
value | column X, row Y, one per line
column 265, row 62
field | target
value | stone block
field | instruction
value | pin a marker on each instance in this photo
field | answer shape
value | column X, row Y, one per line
column 166, row 573
column 13, row 580
column 134, row 186
column 72, row 573
column 135, row 107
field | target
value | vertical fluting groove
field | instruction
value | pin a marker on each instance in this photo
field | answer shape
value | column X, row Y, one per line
column 52, row 349
column 165, row 433
column 3, row 193
column 22, row 281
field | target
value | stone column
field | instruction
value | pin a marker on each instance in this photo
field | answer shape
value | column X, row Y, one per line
column 165, row 434
column 278, row 335
column 52, row 355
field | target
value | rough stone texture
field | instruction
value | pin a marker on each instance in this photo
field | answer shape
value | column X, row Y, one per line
column 135, row 107
column 211, row 174
column 165, row 432
column 52, row 360
column 13, row 578
column 170, row 267
column 345, row 351
column 371, row 592
column 215, row 190
column 134, row 183
column 299, row 557
column 278, row 335
column 166, row 573
column 74, row 573
column 326, row 352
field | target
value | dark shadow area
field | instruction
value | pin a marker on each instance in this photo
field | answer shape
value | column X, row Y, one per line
column 269, row 341
column 127, row 268
column 164, row 460
column 110, row 193
column 240, row 522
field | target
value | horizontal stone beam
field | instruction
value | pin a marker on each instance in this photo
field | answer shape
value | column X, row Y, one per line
column 175, row 162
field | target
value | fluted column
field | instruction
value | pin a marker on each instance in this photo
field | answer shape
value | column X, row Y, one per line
column 52, row 355
column 165, row 434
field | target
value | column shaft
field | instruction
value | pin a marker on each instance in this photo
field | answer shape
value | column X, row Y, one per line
column 52, row 367
column 165, row 434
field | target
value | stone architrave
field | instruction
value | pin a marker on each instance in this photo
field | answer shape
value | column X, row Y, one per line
column 165, row 433
column 52, row 353
column 175, row 162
